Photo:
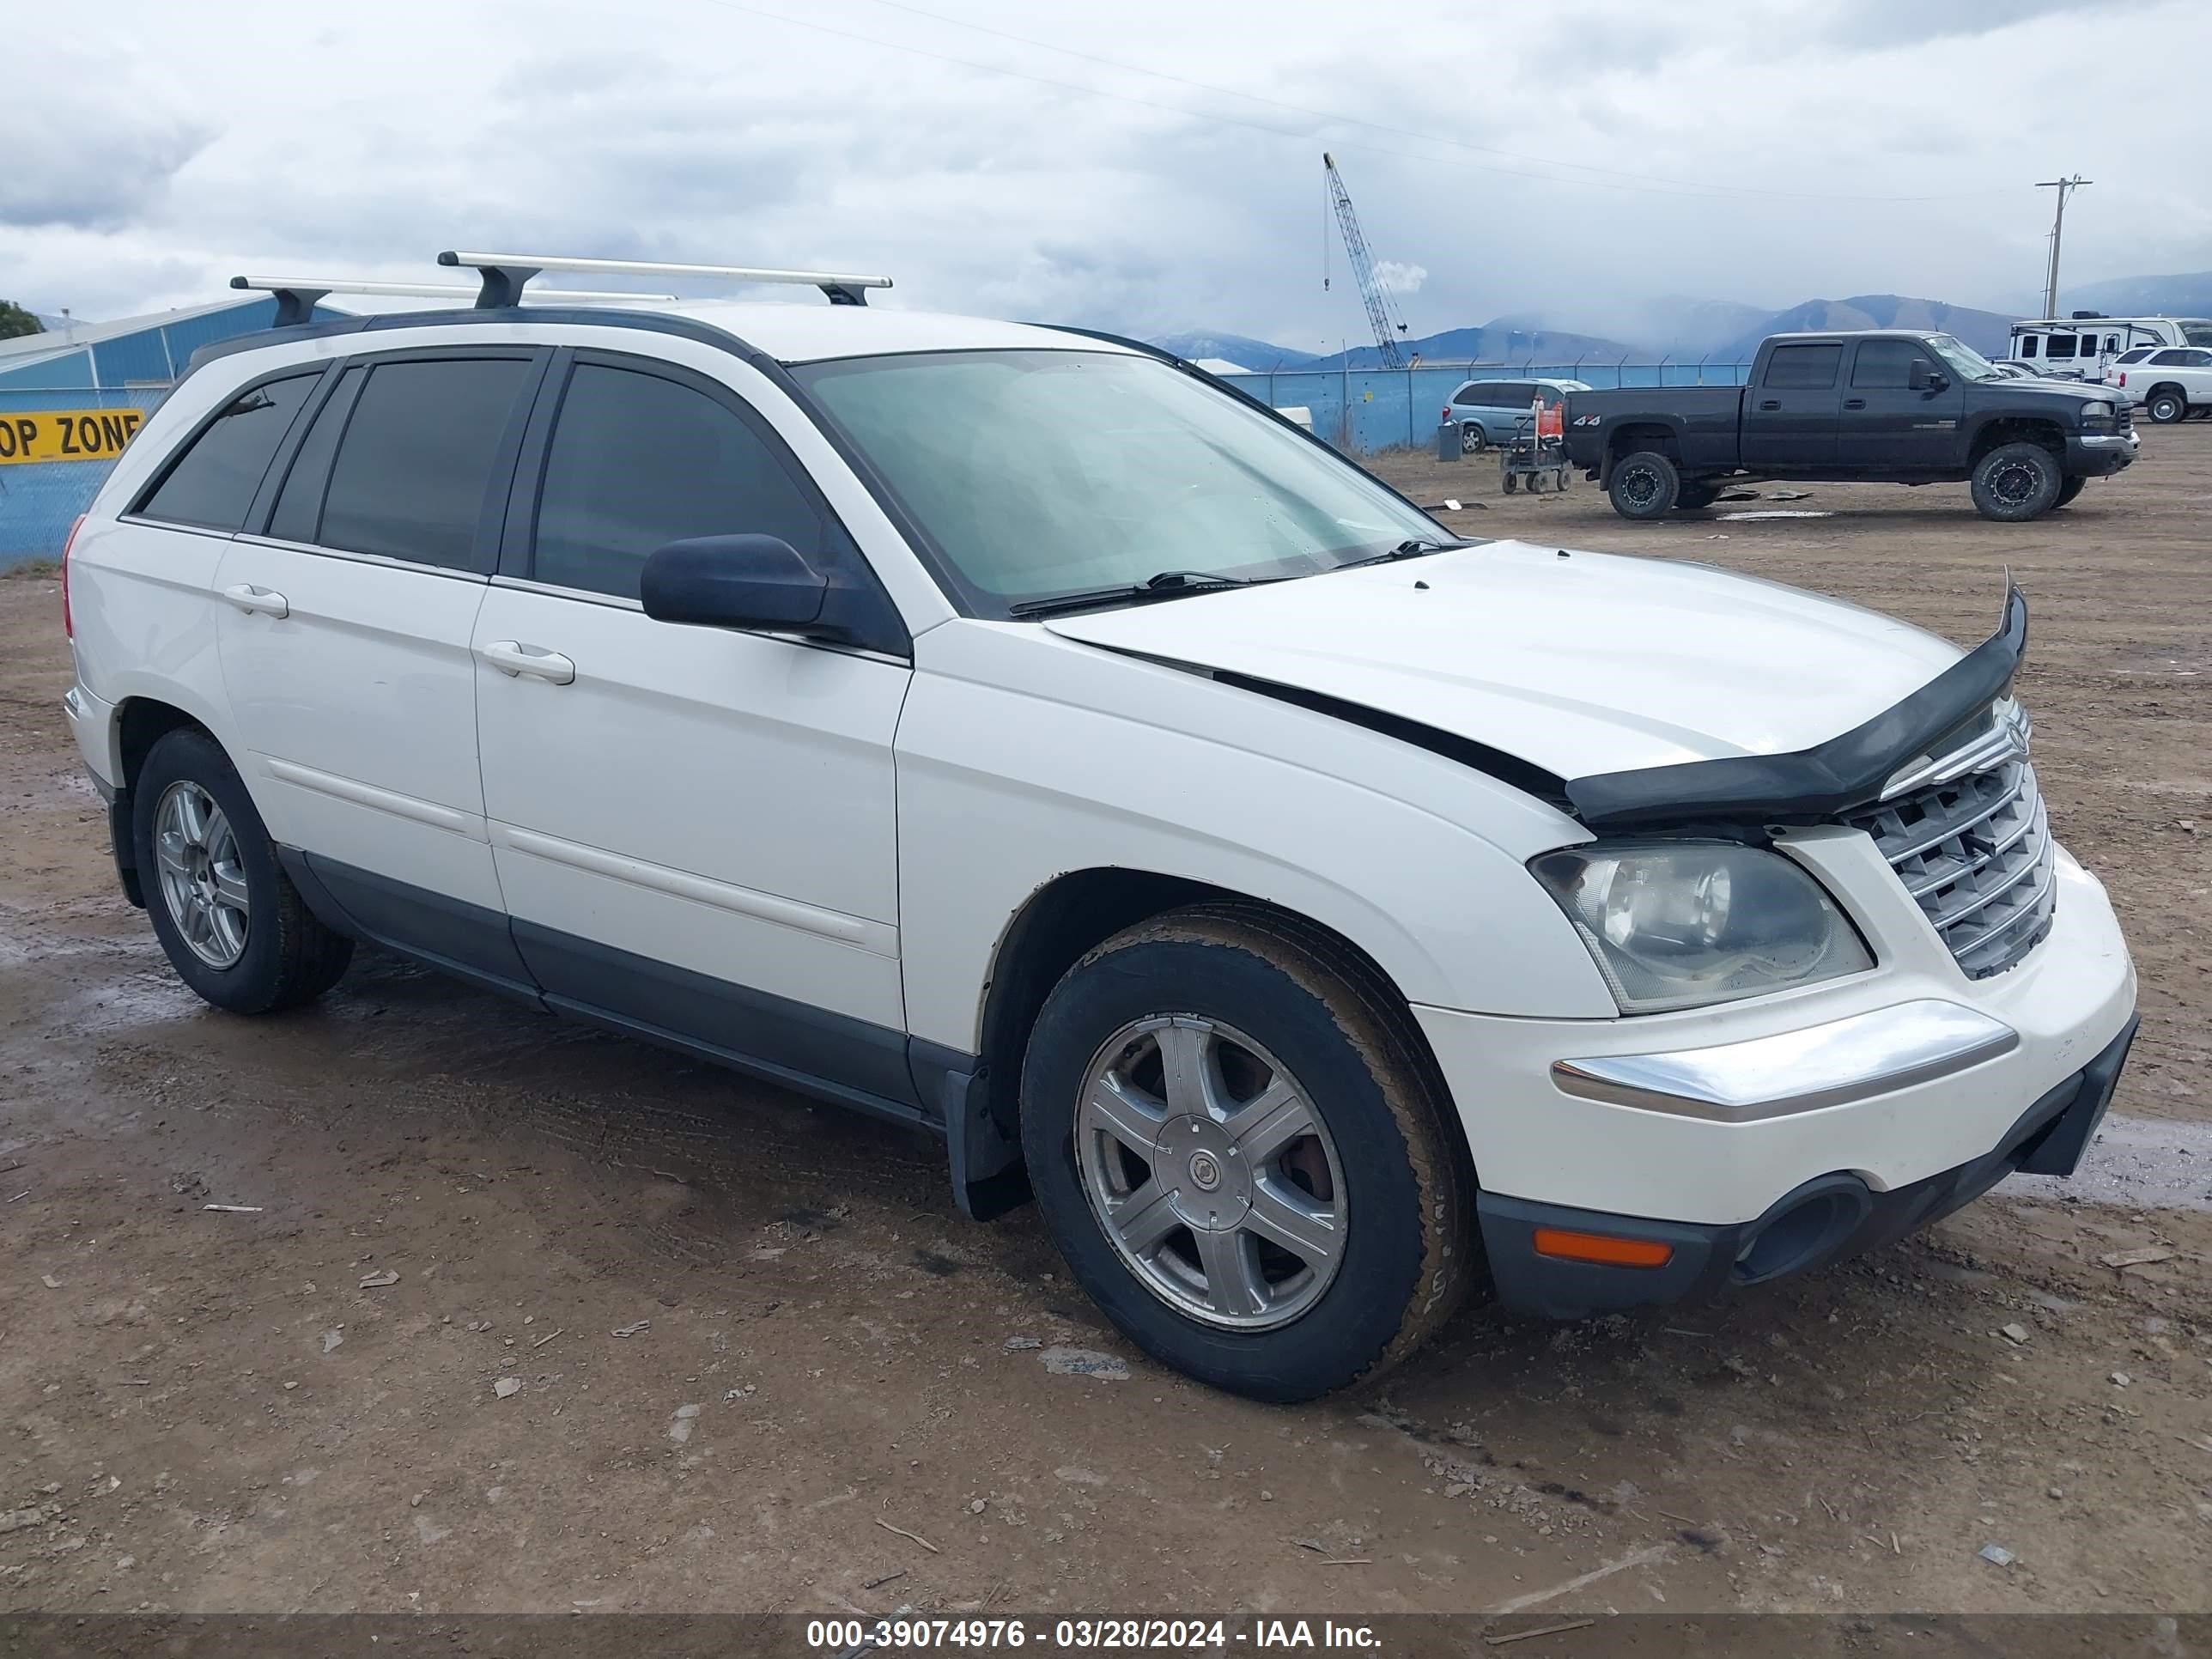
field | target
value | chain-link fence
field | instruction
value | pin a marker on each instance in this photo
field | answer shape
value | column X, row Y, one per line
column 57, row 445
column 1363, row 410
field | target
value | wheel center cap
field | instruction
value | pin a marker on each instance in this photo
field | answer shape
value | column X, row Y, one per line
column 1204, row 1172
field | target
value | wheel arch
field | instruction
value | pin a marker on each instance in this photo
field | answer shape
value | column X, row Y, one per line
column 1642, row 433
column 2016, row 429
column 137, row 724
column 1064, row 919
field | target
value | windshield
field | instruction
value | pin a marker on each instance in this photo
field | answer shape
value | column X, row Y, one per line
column 1035, row 474
column 2197, row 334
column 1962, row 359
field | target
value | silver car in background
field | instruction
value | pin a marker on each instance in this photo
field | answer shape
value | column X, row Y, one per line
column 1490, row 412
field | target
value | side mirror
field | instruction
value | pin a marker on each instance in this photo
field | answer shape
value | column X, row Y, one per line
column 1919, row 375
column 735, row 582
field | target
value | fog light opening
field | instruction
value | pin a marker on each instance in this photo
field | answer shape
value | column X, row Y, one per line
column 1802, row 1234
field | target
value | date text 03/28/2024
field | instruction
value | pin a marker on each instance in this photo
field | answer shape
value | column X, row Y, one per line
column 861, row 1635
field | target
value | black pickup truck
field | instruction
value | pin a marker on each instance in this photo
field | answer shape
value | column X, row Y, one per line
column 1882, row 406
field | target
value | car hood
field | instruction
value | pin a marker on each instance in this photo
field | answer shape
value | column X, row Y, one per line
column 1578, row 663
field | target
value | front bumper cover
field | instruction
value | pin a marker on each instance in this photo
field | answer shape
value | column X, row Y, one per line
column 1823, row 1220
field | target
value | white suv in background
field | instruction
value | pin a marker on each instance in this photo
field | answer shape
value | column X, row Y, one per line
column 2168, row 383
column 1325, row 917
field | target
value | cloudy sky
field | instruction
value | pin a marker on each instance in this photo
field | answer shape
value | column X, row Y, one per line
column 1145, row 165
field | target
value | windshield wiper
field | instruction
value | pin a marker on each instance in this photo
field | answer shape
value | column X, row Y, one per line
column 1411, row 548
column 1161, row 585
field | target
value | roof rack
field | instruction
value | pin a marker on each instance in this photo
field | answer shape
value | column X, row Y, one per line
column 504, row 275
column 297, row 296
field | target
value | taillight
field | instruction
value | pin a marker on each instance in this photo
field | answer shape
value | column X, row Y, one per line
column 69, row 623
column 2124, row 377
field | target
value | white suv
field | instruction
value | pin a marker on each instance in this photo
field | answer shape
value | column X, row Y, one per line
column 1325, row 917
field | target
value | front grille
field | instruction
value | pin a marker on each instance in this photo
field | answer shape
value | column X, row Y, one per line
column 1976, row 853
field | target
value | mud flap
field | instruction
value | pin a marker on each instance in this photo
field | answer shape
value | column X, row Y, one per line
column 989, row 1178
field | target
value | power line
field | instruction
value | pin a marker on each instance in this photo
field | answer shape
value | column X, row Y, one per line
column 1706, row 190
column 1341, row 119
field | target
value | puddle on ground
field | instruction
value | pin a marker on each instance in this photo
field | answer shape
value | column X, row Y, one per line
column 2136, row 1164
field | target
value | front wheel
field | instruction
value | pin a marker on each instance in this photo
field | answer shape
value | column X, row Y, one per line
column 1644, row 485
column 229, row 918
column 2016, row 481
column 1237, row 1150
column 2069, row 490
column 2167, row 405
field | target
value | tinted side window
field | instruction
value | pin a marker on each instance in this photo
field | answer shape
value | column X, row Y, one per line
column 1885, row 363
column 1512, row 394
column 1804, row 367
column 2028, row 344
column 411, row 471
column 1467, row 395
column 2136, row 356
column 2196, row 359
column 2059, row 345
column 637, row 461
column 300, row 504
column 212, row 484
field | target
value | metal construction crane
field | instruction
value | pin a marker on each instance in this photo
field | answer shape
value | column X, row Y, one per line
column 1382, row 310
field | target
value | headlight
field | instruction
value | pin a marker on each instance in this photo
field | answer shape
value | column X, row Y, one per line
column 1679, row 924
column 2096, row 413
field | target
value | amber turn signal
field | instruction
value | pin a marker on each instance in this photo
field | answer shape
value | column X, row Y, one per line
column 1597, row 1247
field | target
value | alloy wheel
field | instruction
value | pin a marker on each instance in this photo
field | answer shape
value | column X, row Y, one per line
column 201, row 873
column 1210, row 1173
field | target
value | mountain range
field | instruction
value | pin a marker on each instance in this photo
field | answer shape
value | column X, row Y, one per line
column 1685, row 330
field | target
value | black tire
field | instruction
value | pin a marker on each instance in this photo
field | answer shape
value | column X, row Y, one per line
column 2017, row 481
column 1472, row 440
column 1407, row 1256
column 1512, row 483
column 2167, row 405
column 2069, row 490
column 289, row 957
column 1644, row 485
column 1695, row 498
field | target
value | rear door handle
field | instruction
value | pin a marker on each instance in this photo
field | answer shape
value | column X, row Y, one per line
column 1854, row 402
column 512, row 656
column 267, row 600
column 1772, row 402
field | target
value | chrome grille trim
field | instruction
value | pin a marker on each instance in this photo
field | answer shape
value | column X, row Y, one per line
column 2000, row 735
column 1975, row 853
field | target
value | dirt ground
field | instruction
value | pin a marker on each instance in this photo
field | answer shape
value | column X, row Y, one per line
column 751, row 1337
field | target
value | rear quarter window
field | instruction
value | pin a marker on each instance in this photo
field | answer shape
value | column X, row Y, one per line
column 1804, row 367
column 212, row 483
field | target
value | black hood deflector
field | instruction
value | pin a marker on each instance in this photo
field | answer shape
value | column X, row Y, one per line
column 1822, row 782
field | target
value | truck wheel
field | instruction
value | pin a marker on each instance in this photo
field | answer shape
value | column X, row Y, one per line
column 1644, row 485
column 1472, row 440
column 2017, row 481
column 1235, row 1146
column 230, row 919
column 2167, row 405
column 1693, row 498
column 2069, row 490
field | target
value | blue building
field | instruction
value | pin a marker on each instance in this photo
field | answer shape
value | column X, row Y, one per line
column 53, row 457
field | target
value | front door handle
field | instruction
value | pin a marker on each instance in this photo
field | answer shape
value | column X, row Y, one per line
column 514, row 657
column 266, row 601
column 1854, row 402
column 1772, row 402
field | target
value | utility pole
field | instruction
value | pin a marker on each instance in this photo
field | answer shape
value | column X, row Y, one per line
column 2064, row 187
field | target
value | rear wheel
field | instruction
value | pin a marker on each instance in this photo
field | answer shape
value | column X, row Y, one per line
column 1237, row 1150
column 1472, row 440
column 1644, row 485
column 2167, row 405
column 2016, row 481
column 230, row 919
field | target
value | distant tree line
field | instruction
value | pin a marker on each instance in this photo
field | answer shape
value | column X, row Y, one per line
column 14, row 321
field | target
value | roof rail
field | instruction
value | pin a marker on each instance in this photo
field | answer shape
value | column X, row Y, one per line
column 297, row 296
column 504, row 275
